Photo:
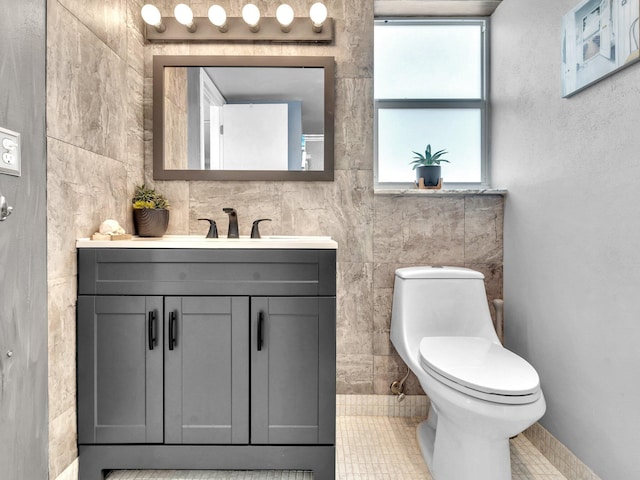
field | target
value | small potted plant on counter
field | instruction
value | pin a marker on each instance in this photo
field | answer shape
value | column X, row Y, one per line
column 427, row 166
column 150, row 212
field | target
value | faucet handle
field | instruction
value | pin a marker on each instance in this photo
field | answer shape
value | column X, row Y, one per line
column 213, row 228
column 255, row 233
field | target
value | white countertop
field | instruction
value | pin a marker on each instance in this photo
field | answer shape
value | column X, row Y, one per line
column 199, row 241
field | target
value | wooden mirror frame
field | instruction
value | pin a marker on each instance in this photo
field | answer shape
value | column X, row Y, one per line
column 162, row 61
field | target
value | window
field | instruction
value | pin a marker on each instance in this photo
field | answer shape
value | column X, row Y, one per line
column 430, row 88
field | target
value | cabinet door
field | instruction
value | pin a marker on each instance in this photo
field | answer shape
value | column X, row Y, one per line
column 119, row 369
column 206, row 370
column 293, row 370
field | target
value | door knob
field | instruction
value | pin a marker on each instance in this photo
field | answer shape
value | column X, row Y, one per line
column 5, row 210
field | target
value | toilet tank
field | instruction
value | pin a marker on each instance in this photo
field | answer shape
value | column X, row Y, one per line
column 438, row 301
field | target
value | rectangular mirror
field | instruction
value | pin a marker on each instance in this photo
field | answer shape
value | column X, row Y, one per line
column 243, row 118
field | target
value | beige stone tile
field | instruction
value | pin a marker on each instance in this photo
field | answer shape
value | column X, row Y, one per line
column 107, row 22
column 384, row 274
column 390, row 368
column 177, row 192
column 433, row 232
column 79, row 200
column 69, row 473
column 483, row 217
column 135, row 119
column 86, row 94
column 62, row 442
column 354, row 30
column 492, row 278
column 261, row 200
column 354, row 373
column 147, row 108
column 135, row 36
column 135, row 176
column 419, row 231
column 354, row 329
column 341, row 209
column 382, row 303
column 354, row 111
column 62, row 345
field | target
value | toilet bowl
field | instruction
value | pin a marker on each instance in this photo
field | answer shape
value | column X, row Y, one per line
column 481, row 393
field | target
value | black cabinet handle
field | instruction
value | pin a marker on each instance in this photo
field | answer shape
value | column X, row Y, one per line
column 260, row 325
column 152, row 329
column 173, row 331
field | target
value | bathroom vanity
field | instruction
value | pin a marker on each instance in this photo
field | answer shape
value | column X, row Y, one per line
column 206, row 354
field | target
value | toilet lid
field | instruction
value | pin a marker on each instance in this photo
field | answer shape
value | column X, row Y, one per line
column 481, row 368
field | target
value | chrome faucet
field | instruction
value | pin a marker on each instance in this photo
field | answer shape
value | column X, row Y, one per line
column 233, row 222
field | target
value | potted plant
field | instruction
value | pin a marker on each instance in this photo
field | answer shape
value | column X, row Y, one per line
column 427, row 166
column 150, row 212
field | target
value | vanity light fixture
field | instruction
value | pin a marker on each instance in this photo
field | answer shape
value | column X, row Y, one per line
column 285, row 16
column 251, row 16
column 250, row 27
column 218, row 17
column 184, row 15
column 151, row 16
column 318, row 14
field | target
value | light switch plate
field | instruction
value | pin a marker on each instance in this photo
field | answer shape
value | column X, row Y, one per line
column 10, row 152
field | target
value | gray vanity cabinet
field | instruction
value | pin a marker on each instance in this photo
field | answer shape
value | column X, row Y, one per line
column 206, row 370
column 120, row 379
column 292, row 348
column 206, row 359
column 126, row 366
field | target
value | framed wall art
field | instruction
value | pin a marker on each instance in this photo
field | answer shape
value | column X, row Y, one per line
column 599, row 38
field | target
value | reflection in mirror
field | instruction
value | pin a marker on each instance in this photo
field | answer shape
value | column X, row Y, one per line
column 243, row 118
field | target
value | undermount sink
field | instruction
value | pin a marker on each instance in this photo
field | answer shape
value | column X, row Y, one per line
column 199, row 241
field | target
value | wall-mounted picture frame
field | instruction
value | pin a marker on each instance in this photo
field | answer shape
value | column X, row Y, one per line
column 599, row 38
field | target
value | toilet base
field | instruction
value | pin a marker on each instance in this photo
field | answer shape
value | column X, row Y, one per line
column 454, row 455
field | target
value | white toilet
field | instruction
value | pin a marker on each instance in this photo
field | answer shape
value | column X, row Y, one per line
column 481, row 393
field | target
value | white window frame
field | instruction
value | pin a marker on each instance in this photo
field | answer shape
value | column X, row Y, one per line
column 482, row 103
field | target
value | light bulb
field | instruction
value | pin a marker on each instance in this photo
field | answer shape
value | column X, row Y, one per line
column 251, row 15
column 318, row 14
column 284, row 14
column 218, row 17
column 184, row 15
column 151, row 15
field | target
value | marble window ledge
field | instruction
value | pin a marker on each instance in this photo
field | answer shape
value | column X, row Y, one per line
column 445, row 192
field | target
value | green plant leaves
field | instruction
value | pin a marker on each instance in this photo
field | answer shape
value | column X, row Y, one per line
column 428, row 158
column 148, row 198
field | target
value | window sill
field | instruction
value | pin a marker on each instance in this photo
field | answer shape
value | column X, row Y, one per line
column 444, row 192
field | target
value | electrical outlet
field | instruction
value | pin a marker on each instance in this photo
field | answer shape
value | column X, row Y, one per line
column 10, row 152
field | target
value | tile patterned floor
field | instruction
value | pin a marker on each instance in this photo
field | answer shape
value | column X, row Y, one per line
column 368, row 448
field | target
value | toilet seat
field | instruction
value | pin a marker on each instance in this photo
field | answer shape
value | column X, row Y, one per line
column 480, row 368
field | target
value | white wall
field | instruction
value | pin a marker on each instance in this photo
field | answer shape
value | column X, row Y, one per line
column 572, row 234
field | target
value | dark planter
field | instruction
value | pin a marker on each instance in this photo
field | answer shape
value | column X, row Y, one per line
column 430, row 173
column 150, row 222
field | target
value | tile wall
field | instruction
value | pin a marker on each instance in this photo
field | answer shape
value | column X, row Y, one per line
column 99, row 148
column 376, row 233
column 95, row 157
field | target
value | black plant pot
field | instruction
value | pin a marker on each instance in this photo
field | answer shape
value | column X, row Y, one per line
column 430, row 173
column 150, row 222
